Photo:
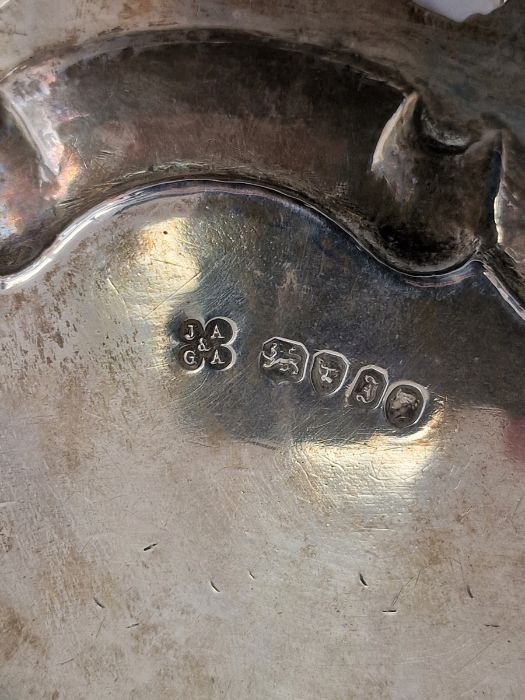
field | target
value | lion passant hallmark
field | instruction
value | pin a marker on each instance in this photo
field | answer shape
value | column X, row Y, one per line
column 287, row 361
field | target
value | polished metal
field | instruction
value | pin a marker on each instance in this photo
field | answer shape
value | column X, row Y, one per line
column 262, row 377
column 269, row 505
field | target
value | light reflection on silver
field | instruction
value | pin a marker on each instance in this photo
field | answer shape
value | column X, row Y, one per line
column 264, row 502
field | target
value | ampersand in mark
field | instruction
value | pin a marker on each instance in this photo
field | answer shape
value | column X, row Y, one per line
column 210, row 345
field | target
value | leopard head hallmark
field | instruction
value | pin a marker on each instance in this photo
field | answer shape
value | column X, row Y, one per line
column 286, row 361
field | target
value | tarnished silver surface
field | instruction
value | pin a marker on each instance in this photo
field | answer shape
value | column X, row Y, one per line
column 169, row 533
column 261, row 286
column 423, row 188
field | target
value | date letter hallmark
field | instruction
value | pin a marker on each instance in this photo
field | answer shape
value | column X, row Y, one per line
column 209, row 345
column 368, row 388
column 402, row 403
column 284, row 360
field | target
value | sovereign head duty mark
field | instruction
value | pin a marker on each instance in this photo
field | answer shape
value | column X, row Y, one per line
column 286, row 361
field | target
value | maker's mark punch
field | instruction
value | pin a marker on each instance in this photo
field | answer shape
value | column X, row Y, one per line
column 209, row 345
